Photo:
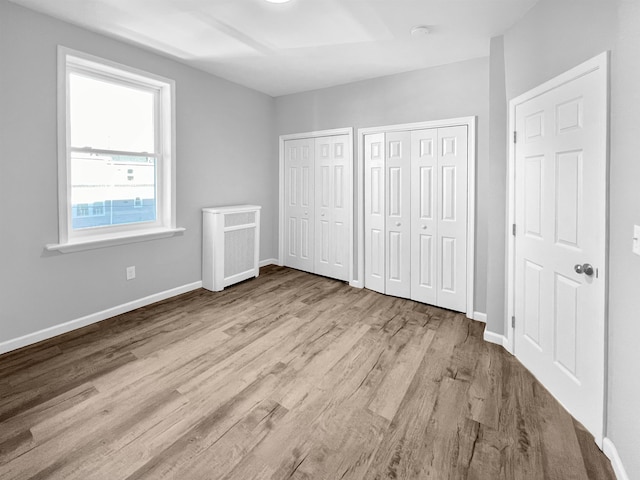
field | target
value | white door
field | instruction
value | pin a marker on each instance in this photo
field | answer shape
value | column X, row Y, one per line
column 333, row 205
column 374, row 214
column 560, row 201
column 299, row 204
column 424, row 221
column 439, row 217
column 398, row 218
column 451, row 250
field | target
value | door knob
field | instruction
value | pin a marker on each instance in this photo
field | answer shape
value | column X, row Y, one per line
column 587, row 269
column 424, row 227
column 398, row 224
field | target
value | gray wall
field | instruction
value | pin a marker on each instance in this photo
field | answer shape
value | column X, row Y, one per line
column 553, row 37
column 226, row 154
column 496, row 194
column 455, row 90
column 624, row 266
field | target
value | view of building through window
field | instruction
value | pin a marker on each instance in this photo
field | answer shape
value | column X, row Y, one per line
column 112, row 189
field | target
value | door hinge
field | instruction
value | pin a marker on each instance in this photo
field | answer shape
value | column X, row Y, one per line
column 513, row 229
column 515, row 137
column 513, row 321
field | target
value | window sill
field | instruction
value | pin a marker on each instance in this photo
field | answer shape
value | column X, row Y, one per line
column 112, row 240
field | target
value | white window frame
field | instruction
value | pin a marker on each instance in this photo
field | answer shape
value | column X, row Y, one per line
column 165, row 154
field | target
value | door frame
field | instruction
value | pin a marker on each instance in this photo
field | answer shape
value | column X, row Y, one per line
column 599, row 63
column 470, row 123
column 281, row 153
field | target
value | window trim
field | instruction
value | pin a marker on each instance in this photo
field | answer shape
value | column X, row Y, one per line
column 70, row 60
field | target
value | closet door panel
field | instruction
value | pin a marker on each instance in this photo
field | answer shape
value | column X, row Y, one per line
column 398, row 218
column 333, row 203
column 424, row 224
column 452, row 218
column 342, row 198
column 299, row 204
column 375, row 212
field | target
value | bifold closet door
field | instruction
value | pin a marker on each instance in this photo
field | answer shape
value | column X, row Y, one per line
column 416, row 215
column 424, row 223
column 398, row 218
column 452, row 218
column 299, row 203
column 388, row 213
column 375, row 213
column 332, row 206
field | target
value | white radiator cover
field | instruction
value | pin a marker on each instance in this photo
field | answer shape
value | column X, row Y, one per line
column 230, row 245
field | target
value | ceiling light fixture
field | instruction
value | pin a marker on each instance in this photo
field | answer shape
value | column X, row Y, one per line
column 419, row 31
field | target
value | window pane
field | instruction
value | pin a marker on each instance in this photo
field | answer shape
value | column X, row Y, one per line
column 107, row 116
column 112, row 190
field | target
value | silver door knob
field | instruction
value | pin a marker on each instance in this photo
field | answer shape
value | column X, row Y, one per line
column 322, row 215
column 424, row 227
column 587, row 269
column 398, row 224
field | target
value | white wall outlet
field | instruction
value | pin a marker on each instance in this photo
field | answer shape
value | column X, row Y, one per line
column 636, row 240
column 131, row 273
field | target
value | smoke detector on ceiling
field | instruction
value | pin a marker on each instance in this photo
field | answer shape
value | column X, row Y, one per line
column 419, row 31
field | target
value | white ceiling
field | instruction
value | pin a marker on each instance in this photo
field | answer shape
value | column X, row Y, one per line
column 302, row 45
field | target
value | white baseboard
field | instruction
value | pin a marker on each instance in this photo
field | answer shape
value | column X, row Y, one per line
column 356, row 284
column 611, row 452
column 56, row 330
column 268, row 261
column 480, row 317
column 496, row 338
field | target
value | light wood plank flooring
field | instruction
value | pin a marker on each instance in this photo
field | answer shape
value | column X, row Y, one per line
column 288, row 376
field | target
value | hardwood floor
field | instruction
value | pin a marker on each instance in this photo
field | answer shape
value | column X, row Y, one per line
column 289, row 375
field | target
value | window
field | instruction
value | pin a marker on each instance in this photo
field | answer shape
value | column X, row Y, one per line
column 116, row 154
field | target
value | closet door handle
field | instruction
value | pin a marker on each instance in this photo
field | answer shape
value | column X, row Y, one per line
column 398, row 224
column 424, row 227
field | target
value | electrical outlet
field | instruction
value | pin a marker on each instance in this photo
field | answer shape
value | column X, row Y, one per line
column 636, row 240
column 131, row 273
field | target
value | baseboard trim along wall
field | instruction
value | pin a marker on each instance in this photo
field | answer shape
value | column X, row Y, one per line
column 496, row 338
column 480, row 317
column 56, row 330
column 268, row 261
column 611, row 452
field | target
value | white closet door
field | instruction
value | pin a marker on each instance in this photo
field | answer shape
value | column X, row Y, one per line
column 333, row 204
column 299, row 204
column 424, row 224
column 398, row 218
column 374, row 215
column 452, row 218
